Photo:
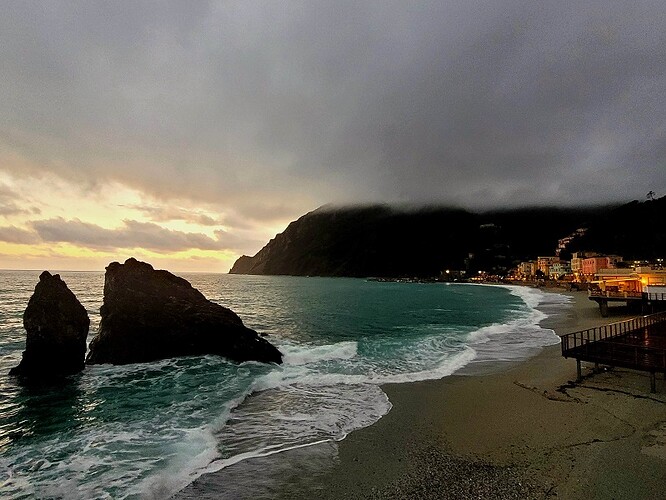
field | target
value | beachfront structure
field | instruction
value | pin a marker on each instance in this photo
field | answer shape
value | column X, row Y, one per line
column 617, row 280
column 644, row 288
column 637, row 344
column 577, row 267
column 544, row 263
column 593, row 265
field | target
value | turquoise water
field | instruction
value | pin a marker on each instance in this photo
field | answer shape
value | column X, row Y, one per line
column 148, row 430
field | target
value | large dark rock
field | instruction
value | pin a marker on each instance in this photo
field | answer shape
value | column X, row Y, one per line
column 57, row 327
column 151, row 314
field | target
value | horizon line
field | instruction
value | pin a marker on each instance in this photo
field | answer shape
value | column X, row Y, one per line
column 101, row 271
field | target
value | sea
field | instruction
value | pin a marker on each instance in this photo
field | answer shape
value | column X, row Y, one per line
column 148, row 430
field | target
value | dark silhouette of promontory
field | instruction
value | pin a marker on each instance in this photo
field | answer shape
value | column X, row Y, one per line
column 384, row 241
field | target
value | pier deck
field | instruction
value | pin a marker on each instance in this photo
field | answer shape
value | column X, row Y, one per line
column 638, row 344
column 645, row 301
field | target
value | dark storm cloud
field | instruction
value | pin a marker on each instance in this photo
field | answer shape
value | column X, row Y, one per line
column 268, row 104
column 133, row 234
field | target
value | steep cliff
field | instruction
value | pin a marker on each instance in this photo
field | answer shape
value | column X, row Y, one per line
column 388, row 242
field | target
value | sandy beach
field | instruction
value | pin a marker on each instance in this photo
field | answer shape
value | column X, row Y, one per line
column 524, row 430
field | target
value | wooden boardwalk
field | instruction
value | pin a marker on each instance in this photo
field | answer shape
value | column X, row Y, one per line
column 638, row 344
column 647, row 302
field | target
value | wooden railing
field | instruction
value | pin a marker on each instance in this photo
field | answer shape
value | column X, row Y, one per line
column 655, row 296
column 582, row 338
column 637, row 344
column 613, row 295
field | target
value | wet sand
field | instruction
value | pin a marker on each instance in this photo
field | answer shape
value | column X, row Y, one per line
column 526, row 432
column 519, row 431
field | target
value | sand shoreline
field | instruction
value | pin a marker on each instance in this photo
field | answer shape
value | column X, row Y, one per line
column 522, row 432
column 513, row 434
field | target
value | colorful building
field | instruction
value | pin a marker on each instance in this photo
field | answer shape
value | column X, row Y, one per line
column 527, row 269
column 544, row 263
column 559, row 270
column 593, row 265
column 577, row 259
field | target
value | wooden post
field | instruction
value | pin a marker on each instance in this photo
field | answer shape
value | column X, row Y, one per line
column 653, row 382
column 603, row 308
column 579, row 374
column 596, row 367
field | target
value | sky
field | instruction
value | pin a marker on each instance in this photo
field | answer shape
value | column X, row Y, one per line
column 188, row 133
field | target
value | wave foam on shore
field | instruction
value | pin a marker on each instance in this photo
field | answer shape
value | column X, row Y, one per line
column 323, row 393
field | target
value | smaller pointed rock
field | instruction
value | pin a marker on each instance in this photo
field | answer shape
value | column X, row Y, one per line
column 57, row 328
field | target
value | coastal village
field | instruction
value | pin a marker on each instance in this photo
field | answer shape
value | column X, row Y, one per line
column 333, row 250
column 593, row 268
column 639, row 284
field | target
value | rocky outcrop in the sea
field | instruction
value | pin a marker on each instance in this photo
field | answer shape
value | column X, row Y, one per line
column 152, row 314
column 57, row 327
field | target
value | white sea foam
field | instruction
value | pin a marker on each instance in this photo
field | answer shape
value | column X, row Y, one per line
column 300, row 415
column 336, row 378
column 304, row 354
column 287, row 375
column 522, row 336
column 304, row 404
column 193, row 455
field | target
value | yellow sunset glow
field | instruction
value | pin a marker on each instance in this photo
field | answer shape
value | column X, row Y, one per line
column 52, row 223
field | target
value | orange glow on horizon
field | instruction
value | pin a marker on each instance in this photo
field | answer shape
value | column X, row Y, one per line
column 63, row 256
column 83, row 222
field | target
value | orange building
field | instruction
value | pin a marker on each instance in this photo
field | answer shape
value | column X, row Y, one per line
column 593, row 265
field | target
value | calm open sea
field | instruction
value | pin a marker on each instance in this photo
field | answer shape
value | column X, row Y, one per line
column 148, row 430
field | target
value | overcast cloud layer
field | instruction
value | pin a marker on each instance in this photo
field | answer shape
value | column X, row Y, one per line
column 278, row 106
